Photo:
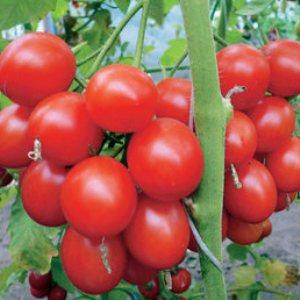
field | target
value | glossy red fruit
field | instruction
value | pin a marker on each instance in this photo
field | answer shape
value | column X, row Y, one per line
column 137, row 273
column 243, row 65
column 158, row 234
column 65, row 129
column 267, row 228
column 14, row 139
column 40, row 282
column 274, row 120
column 284, row 165
column 256, row 200
column 38, row 293
column 166, row 160
column 181, row 281
column 5, row 177
column 41, row 188
column 243, row 233
column 57, row 293
column 98, row 197
column 284, row 200
column 240, row 140
column 121, row 98
column 81, row 259
column 36, row 66
column 174, row 99
column 150, row 290
column 284, row 61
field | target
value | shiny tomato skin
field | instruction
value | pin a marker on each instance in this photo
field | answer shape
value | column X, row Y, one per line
column 283, row 200
column 158, row 234
column 57, row 293
column 267, row 228
column 65, row 129
column 40, row 189
column 5, row 177
column 240, row 139
column 274, row 120
column 174, row 99
column 166, row 160
column 284, row 60
column 38, row 293
column 150, row 290
column 15, row 142
column 121, row 98
column 98, row 197
column 137, row 273
column 81, row 260
column 181, row 281
column 243, row 65
column 284, row 165
column 40, row 282
column 36, row 66
column 256, row 200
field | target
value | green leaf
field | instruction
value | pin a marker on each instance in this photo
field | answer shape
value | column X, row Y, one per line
column 244, row 276
column 122, row 4
column 60, row 9
column 3, row 43
column 4, row 101
column 7, row 193
column 174, row 52
column 156, row 11
column 254, row 7
column 168, row 5
column 237, row 252
column 14, row 12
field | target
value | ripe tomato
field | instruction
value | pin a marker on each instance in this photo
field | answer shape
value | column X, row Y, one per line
column 158, row 234
column 14, row 139
column 256, row 200
column 137, row 273
column 243, row 65
column 5, row 177
column 81, row 260
column 284, row 61
column 40, row 282
column 38, row 293
column 36, row 66
column 284, row 200
column 150, row 290
column 98, row 197
column 240, row 140
column 57, row 293
column 243, row 233
column 274, row 119
column 166, row 160
column 174, row 99
column 41, row 188
column 181, row 281
column 267, row 228
column 65, row 129
column 121, row 98
column 284, row 165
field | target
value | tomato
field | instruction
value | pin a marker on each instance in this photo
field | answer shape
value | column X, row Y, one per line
column 65, row 129
column 267, row 228
column 174, row 99
column 158, row 234
column 14, row 139
column 57, row 293
column 98, row 197
column 284, row 200
column 244, row 233
column 150, row 290
column 256, row 200
column 40, row 282
column 284, row 60
column 166, row 160
column 5, row 177
column 243, row 65
column 82, row 262
column 41, row 188
column 284, row 165
column 181, row 281
column 121, row 98
column 240, row 140
column 38, row 293
column 137, row 273
column 274, row 119
column 36, row 66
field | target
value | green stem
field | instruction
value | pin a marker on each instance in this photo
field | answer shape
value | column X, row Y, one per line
column 210, row 125
column 179, row 62
column 220, row 40
column 141, row 34
column 222, row 25
column 80, row 81
column 161, row 69
column 214, row 9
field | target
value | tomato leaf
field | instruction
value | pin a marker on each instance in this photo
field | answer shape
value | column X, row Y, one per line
column 122, row 4
column 254, row 7
column 4, row 101
column 168, row 5
column 174, row 52
column 7, row 193
column 156, row 11
column 237, row 252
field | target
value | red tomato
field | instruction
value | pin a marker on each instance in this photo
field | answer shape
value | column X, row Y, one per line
column 38, row 293
column 174, row 99
column 57, row 293
column 36, row 66
column 40, row 282
column 274, row 119
column 267, row 228
column 284, row 165
column 98, row 197
column 243, row 233
column 65, row 129
column 284, row 200
column 181, row 281
column 137, row 273
column 240, row 140
column 121, row 98
column 256, row 200
column 41, row 188
column 81, row 259
column 158, row 234
column 284, row 61
column 166, row 160
column 5, row 177
column 243, row 65
column 150, row 290
column 14, row 139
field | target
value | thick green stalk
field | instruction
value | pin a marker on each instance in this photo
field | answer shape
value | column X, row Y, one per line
column 210, row 124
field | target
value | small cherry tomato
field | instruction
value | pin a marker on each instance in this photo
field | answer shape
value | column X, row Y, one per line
column 150, row 290
column 284, row 200
column 181, row 281
column 5, row 177
column 57, row 293
column 40, row 282
column 38, row 293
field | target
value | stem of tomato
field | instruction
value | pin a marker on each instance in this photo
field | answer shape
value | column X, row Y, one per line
column 178, row 63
